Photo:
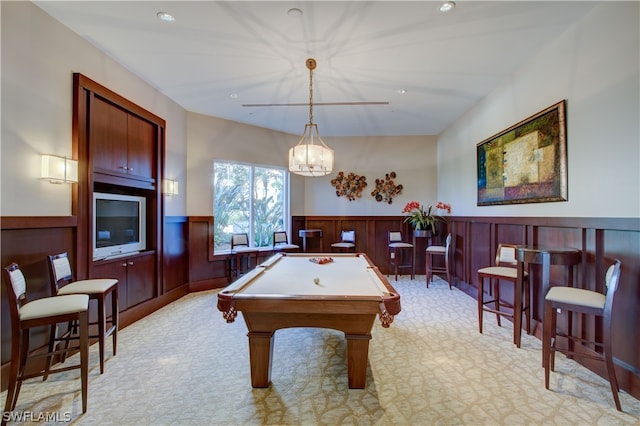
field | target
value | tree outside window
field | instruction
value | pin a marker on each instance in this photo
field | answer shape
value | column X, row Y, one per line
column 248, row 199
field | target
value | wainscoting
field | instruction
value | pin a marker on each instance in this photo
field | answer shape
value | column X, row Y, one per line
column 189, row 264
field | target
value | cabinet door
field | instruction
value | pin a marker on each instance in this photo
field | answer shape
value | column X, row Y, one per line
column 108, row 137
column 118, row 270
column 141, row 279
column 141, row 153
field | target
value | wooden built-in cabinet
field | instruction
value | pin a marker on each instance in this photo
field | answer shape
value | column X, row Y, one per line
column 135, row 275
column 121, row 144
column 120, row 149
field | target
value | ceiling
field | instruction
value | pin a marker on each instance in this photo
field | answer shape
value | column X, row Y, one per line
column 217, row 57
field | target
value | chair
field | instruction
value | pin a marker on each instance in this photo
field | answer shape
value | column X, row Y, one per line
column 505, row 255
column 281, row 242
column 48, row 311
column 430, row 267
column 98, row 289
column 240, row 250
column 395, row 255
column 586, row 302
column 347, row 241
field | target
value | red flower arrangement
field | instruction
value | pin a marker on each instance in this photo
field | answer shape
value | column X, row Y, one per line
column 444, row 206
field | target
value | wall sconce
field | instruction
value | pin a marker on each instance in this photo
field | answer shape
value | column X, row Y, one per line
column 57, row 169
column 170, row 187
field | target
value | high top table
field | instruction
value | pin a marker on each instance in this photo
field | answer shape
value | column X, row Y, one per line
column 544, row 257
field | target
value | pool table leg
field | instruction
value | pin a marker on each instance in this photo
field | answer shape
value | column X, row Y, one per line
column 260, row 355
column 357, row 359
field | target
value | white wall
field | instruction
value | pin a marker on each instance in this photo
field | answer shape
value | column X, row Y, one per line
column 213, row 138
column 594, row 66
column 412, row 158
column 39, row 56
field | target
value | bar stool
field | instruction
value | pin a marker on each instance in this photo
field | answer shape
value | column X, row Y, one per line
column 430, row 268
column 396, row 248
column 240, row 250
column 503, row 270
column 347, row 241
column 98, row 289
column 584, row 302
column 281, row 242
column 48, row 311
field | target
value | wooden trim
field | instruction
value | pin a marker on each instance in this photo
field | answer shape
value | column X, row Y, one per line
column 38, row 222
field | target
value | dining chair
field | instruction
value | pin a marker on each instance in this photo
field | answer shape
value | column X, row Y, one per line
column 347, row 241
column 281, row 242
column 397, row 251
column 49, row 311
column 63, row 283
column 504, row 269
column 587, row 303
column 430, row 267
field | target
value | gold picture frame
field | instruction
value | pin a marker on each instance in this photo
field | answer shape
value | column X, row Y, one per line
column 526, row 163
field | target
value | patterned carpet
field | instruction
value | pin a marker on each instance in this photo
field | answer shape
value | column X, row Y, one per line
column 184, row 365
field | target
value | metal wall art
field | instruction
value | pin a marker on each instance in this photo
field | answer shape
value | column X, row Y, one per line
column 349, row 186
column 386, row 188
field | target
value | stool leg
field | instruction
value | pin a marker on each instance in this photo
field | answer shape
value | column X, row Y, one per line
column 546, row 343
column 102, row 327
column 428, row 268
column 84, row 357
column 496, row 295
column 115, row 314
column 12, row 390
column 480, row 302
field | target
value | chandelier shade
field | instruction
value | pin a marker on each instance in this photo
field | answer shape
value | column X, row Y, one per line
column 311, row 156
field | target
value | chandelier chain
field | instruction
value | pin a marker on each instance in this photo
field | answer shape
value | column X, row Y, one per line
column 310, row 95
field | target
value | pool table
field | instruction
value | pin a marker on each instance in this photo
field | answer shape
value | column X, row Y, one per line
column 291, row 290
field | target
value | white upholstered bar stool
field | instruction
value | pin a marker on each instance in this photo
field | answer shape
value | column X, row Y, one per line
column 398, row 249
column 281, row 242
column 591, row 305
column 504, row 269
column 48, row 311
column 240, row 250
column 430, row 268
column 347, row 241
column 98, row 289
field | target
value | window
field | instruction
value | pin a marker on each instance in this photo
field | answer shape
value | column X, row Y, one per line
column 249, row 198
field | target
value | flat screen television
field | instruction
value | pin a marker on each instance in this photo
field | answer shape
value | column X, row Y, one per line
column 119, row 225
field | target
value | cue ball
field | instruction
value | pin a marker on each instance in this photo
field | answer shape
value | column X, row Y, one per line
column 316, row 280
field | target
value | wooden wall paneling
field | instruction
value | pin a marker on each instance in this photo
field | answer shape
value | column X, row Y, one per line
column 175, row 259
column 206, row 270
column 324, row 244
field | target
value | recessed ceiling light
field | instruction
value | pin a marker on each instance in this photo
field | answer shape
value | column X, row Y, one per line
column 447, row 6
column 233, row 95
column 294, row 11
column 165, row 17
column 402, row 91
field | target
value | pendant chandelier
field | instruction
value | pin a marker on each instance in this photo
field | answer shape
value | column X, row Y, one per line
column 309, row 158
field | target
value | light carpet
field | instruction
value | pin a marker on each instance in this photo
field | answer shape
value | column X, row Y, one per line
column 183, row 365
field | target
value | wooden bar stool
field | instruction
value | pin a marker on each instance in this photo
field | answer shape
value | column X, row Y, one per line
column 48, row 311
column 240, row 250
column 430, row 268
column 504, row 269
column 281, row 242
column 98, row 289
column 397, row 248
column 347, row 241
column 585, row 302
